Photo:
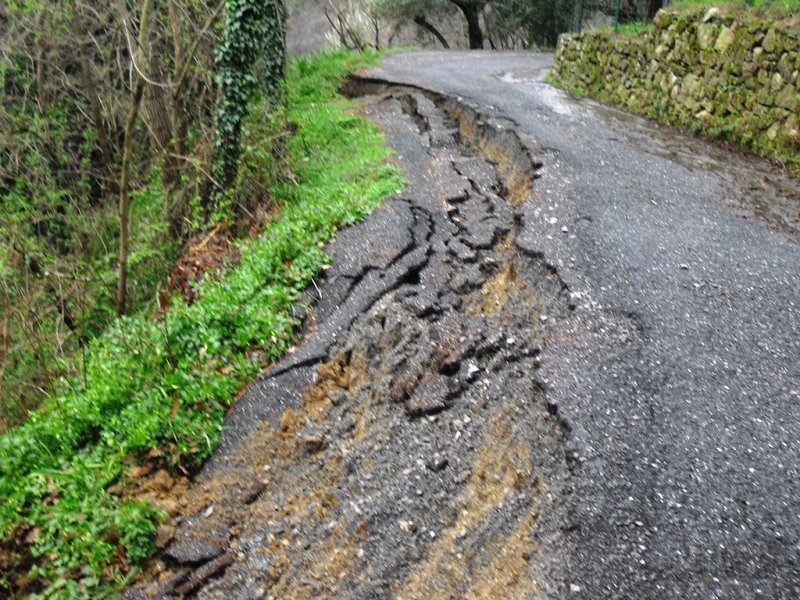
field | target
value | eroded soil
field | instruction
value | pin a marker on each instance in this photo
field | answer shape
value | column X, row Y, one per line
column 420, row 457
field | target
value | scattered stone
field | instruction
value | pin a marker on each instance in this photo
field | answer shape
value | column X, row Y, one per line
column 159, row 482
column 139, row 472
column 438, row 464
column 491, row 344
column 432, row 396
column 459, row 283
column 403, row 389
column 197, row 547
column 197, row 578
column 447, row 358
column 408, row 526
column 169, row 505
column 337, row 396
column 164, row 535
column 314, row 443
column 249, row 493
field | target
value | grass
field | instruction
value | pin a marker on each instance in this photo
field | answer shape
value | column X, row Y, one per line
column 157, row 389
column 634, row 29
column 788, row 5
column 775, row 8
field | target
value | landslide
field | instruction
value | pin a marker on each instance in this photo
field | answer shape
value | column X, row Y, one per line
column 407, row 449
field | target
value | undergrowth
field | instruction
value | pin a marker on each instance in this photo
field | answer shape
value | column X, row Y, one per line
column 157, row 387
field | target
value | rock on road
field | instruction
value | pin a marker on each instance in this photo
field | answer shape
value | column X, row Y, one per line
column 687, row 440
column 564, row 363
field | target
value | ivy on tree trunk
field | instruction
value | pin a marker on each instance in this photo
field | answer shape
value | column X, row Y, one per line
column 250, row 61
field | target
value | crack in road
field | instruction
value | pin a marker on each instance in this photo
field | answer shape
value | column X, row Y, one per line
column 545, row 370
column 425, row 345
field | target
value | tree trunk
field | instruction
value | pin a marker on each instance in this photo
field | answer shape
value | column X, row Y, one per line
column 124, row 198
column 472, row 15
column 428, row 26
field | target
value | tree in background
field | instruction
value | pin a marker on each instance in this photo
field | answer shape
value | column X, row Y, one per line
column 594, row 12
column 528, row 23
column 426, row 12
column 506, row 23
column 472, row 10
column 423, row 13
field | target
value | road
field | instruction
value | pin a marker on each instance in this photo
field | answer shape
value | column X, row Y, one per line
column 687, row 441
column 563, row 363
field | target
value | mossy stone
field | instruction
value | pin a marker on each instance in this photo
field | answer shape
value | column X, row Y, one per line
column 764, row 97
column 706, row 35
column 772, row 43
column 787, row 97
column 664, row 18
column 724, row 40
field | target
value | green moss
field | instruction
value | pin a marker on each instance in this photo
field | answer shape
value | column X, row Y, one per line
column 704, row 90
column 160, row 385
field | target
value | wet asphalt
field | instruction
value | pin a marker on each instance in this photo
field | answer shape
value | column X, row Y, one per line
column 682, row 392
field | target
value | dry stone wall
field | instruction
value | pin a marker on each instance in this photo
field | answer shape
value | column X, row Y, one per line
column 725, row 76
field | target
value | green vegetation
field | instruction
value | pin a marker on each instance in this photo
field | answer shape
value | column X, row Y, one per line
column 250, row 58
column 627, row 29
column 771, row 7
column 726, row 77
column 634, row 29
column 155, row 387
column 107, row 121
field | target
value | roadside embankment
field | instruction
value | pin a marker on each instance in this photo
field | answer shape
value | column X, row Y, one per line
column 725, row 76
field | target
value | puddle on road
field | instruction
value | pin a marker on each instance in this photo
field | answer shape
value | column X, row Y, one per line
column 556, row 100
column 765, row 190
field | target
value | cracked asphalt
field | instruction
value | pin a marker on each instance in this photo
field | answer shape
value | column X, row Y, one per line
column 563, row 363
column 687, row 440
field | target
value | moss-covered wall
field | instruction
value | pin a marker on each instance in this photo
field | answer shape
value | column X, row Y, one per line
column 720, row 75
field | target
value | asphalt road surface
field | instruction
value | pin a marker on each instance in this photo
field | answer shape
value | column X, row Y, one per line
column 564, row 362
column 683, row 399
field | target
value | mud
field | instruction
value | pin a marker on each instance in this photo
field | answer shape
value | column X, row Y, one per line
column 424, row 459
